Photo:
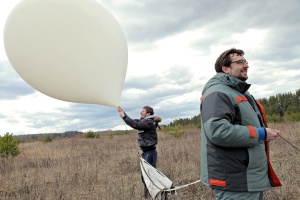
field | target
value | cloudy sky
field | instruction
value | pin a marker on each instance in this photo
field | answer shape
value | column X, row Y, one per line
column 172, row 48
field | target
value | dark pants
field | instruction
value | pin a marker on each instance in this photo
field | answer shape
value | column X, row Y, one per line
column 151, row 158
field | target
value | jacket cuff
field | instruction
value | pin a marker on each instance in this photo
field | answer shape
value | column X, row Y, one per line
column 261, row 133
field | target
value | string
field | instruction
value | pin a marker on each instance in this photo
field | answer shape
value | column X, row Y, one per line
column 183, row 186
column 289, row 143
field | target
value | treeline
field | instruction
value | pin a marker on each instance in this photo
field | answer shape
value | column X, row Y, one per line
column 279, row 108
column 282, row 107
column 42, row 136
column 192, row 122
column 46, row 137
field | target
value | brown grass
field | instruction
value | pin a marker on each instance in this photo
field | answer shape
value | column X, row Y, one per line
column 108, row 168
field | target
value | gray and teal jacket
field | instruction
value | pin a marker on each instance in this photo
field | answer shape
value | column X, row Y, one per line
column 233, row 150
column 147, row 135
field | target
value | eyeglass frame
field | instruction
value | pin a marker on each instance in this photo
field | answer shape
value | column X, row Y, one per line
column 240, row 62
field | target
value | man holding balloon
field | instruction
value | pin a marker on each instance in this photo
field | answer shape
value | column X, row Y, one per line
column 147, row 135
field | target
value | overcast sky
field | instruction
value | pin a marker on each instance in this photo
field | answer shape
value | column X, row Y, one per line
column 172, row 48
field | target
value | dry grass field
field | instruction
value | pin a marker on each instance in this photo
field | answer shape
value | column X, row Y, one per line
column 108, row 168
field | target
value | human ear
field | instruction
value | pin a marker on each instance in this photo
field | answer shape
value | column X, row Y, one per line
column 225, row 69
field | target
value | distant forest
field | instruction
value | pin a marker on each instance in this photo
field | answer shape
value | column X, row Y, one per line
column 279, row 108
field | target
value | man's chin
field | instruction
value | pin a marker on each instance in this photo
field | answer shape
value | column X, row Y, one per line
column 244, row 78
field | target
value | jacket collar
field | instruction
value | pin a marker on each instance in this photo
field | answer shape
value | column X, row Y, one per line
column 226, row 79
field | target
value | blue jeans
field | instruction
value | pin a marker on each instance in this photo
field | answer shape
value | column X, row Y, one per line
column 150, row 157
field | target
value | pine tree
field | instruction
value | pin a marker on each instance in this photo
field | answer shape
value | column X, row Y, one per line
column 9, row 146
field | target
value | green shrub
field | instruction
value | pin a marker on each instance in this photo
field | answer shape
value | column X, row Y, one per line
column 9, row 146
column 47, row 139
column 293, row 117
column 274, row 118
column 90, row 134
column 176, row 131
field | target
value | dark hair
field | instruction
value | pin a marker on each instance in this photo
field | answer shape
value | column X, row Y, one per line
column 225, row 60
column 149, row 110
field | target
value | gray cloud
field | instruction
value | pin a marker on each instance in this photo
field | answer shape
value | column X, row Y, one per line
column 11, row 85
column 175, row 81
column 76, row 117
column 158, row 19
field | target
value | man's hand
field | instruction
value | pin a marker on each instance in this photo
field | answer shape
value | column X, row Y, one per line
column 121, row 111
column 272, row 134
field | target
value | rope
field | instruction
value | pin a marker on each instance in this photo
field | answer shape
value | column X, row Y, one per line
column 183, row 186
column 289, row 143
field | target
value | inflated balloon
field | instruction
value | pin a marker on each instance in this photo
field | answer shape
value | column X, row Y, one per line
column 72, row 50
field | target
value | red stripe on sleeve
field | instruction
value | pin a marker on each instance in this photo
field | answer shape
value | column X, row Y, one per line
column 252, row 131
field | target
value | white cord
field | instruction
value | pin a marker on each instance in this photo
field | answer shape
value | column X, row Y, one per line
column 183, row 186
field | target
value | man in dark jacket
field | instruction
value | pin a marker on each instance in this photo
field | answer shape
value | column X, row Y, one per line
column 147, row 135
column 234, row 134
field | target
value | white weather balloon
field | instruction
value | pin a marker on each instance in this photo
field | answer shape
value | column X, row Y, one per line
column 72, row 50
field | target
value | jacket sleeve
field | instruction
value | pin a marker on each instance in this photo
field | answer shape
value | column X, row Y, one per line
column 142, row 124
column 218, row 116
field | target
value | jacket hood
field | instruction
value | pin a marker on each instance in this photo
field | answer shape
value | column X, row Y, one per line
column 157, row 118
column 226, row 79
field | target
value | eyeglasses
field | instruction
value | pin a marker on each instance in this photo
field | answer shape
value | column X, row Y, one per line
column 240, row 62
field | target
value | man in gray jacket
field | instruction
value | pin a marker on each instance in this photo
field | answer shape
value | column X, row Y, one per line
column 234, row 134
column 147, row 135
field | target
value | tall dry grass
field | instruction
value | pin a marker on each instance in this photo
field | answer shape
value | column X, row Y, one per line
column 108, row 168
